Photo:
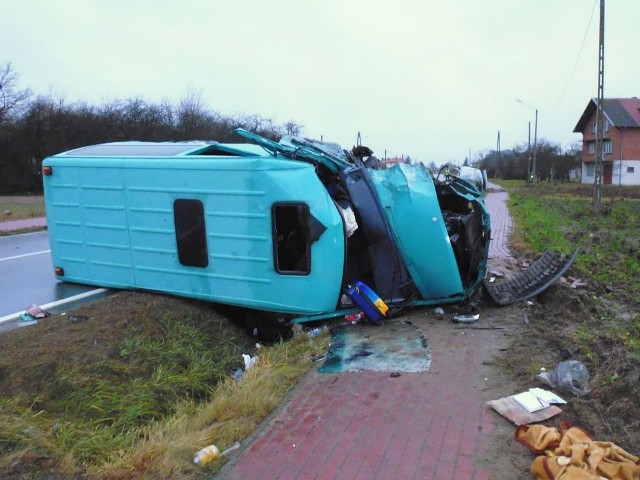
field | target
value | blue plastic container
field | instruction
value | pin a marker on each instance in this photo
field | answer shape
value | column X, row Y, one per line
column 370, row 303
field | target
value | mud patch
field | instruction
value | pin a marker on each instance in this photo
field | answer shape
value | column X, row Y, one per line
column 397, row 346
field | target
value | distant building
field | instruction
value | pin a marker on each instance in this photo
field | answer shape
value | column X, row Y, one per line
column 391, row 161
column 621, row 141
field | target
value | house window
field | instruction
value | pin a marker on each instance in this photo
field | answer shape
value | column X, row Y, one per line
column 605, row 126
column 591, row 168
column 592, row 147
column 191, row 237
column 630, row 169
column 607, row 146
column 291, row 238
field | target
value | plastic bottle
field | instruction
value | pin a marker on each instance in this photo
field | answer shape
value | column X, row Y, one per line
column 206, row 455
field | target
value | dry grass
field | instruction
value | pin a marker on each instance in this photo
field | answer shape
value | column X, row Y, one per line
column 136, row 389
column 233, row 414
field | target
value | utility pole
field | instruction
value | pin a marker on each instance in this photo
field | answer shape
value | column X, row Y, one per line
column 499, row 162
column 597, row 181
column 532, row 173
column 529, row 174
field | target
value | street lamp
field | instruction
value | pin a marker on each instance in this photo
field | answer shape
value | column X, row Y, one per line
column 535, row 139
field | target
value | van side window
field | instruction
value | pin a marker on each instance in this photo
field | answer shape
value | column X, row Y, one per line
column 191, row 236
column 291, row 242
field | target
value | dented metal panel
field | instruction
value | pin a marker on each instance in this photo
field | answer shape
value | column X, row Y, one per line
column 409, row 199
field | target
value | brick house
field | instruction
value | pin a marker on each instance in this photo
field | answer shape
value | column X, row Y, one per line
column 621, row 141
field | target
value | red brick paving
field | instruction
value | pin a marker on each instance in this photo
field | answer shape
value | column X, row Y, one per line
column 501, row 224
column 368, row 425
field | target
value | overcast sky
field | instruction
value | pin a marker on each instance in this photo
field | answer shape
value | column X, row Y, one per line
column 435, row 80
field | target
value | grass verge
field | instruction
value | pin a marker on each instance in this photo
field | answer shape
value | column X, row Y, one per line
column 133, row 386
column 599, row 324
column 561, row 217
column 21, row 207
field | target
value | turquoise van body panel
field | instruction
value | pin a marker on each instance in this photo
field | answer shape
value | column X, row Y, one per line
column 410, row 203
column 111, row 223
column 280, row 227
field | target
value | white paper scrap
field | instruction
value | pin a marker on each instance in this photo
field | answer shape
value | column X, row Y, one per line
column 546, row 395
column 529, row 401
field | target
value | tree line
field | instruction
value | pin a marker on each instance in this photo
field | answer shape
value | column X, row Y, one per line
column 32, row 127
column 553, row 163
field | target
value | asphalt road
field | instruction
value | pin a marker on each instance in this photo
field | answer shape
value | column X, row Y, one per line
column 27, row 275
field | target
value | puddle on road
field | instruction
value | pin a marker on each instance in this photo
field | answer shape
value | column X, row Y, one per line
column 396, row 346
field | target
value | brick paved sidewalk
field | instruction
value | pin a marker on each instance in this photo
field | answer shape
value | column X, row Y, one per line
column 501, row 224
column 368, row 425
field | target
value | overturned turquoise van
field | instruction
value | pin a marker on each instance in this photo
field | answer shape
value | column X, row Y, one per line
column 281, row 228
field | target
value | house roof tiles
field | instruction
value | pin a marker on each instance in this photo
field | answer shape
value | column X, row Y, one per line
column 621, row 112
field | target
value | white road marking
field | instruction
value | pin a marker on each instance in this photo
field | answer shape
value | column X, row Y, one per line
column 80, row 296
column 25, row 255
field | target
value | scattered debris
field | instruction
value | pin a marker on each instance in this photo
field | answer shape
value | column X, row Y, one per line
column 510, row 409
column 439, row 311
column 546, row 395
column 26, row 320
column 578, row 283
column 31, row 315
column 394, row 374
column 565, row 353
column 78, row 318
column 206, row 454
column 496, row 273
column 543, row 273
column 571, row 376
column 238, row 374
column 536, row 399
column 354, row 317
column 36, row 312
column 493, row 327
column 233, row 447
column 314, row 332
column 573, row 282
column 249, row 361
column 466, row 318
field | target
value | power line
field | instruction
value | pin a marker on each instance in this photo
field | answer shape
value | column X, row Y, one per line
column 575, row 66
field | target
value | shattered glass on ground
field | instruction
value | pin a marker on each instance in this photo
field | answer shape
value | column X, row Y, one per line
column 396, row 346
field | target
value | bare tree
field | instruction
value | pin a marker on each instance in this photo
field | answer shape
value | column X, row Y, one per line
column 292, row 128
column 11, row 98
column 193, row 119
